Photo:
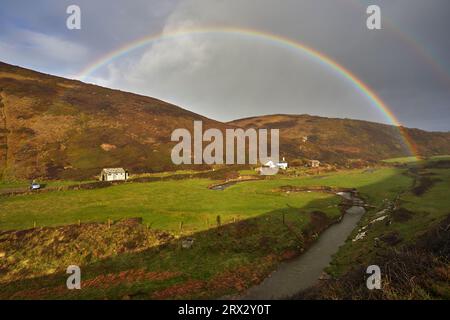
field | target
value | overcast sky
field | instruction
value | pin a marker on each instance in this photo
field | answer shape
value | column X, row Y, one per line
column 230, row 76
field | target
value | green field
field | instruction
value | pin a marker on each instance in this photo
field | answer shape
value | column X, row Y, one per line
column 165, row 204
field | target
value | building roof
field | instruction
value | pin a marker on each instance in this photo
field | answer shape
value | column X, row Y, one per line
column 113, row 170
column 270, row 163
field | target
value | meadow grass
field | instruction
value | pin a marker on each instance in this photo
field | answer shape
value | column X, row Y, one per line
column 428, row 208
column 162, row 204
column 165, row 204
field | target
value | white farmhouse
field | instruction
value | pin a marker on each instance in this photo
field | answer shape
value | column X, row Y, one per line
column 113, row 174
column 280, row 165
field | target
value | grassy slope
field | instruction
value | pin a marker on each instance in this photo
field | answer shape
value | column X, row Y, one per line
column 392, row 244
column 428, row 209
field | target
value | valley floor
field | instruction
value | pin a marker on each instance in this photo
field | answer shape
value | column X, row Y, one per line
column 128, row 238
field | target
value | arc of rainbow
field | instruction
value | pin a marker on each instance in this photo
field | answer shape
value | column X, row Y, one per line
column 265, row 36
column 423, row 52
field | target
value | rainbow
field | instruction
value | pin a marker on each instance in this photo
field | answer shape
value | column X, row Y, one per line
column 421, row 51
column 264, row 36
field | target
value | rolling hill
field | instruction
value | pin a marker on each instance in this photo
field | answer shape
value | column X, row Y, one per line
column 340, row 140
column 58, row 128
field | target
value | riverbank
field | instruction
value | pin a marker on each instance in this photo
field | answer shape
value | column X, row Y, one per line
column 408, row 239
column 304, row 271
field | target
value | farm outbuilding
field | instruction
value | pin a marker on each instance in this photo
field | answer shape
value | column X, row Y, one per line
column 113, row 174
column 283, row 164
column 315, row 163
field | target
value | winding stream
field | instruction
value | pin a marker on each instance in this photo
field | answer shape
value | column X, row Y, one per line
column 301, row 273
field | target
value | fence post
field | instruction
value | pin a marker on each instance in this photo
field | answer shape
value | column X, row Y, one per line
column 219, row 222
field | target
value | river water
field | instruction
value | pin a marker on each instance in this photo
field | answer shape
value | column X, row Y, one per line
column 301, row 273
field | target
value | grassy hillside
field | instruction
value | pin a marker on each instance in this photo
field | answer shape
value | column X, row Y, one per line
column 57, row 128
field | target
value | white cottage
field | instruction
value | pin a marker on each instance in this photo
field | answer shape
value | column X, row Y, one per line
column 280, row 165
column 113, row 174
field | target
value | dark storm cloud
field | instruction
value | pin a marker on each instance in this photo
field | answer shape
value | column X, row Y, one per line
column 227, row 77
column 105, row 25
